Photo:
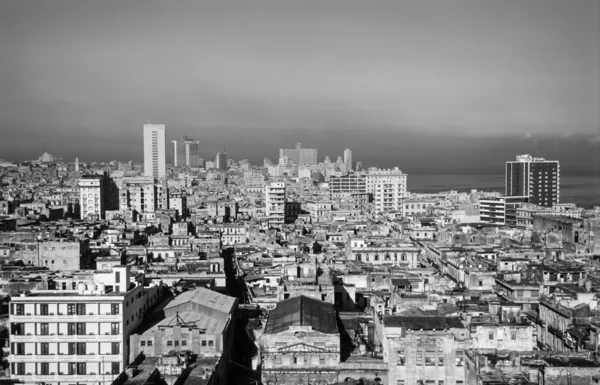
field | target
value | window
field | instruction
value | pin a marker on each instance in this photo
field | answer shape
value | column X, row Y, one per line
column 44, row 369
column 169, row 343
column 429, row 359
column 118, row 277
column 72, row 349
column 400, row 360
column 80, row 328
column 459, row 358
column 115, row 348
column 183, row 343
column 19, row 348
column 114, row 309
column 210, row 343
column 513, row 335
column 322, row 361
column 115, row 368
column 71, row 309
column 80, row 308
column 419, row 358
column 142, row 343
column 70, row 328
column 441, row 382
column 203, row 343
column 44, row 348
column 278, row 360
column 81, row 350
column 43, row 309
column 440, row 360
column 114, row 328
column 81, row 369
column 72, row 368
column 149, row 342
column 491, row 335
column 20, row 309
column 295, row 360
column 399, row 382
column 44, row 329
column 21, row 368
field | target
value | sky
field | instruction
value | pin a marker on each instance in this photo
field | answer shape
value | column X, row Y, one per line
column 426, row 85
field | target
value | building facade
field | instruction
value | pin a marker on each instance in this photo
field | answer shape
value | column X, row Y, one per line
column 186, row 152
column 154, row 150
column 97, row 193
column 78, row 334
column 535, row 178
column 301, row 342
column 275, row 203
column 348, row 159
column 298, row 155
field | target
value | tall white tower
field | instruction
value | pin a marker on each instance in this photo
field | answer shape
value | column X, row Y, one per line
column 154, row 150
column 348, row 159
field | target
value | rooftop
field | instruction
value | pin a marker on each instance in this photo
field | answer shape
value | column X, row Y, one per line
column 302, row 311
column 422, row 322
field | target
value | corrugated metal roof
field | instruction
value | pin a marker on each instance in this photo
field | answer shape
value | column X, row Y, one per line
column 302, row 311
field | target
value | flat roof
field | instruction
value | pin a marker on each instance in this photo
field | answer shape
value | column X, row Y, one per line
column 423, row 322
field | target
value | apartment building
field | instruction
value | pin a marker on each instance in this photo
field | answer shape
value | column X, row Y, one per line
column 275, row 203
column 536, row 178
column 78, row 334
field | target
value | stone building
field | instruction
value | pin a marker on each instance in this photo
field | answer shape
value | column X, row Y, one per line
column 423, row 349
column 301, row 342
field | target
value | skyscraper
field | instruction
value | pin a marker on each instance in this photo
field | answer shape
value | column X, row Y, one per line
column 221, row 161
column 348, row 159
column 535, row 178
column 186, row 152
column 154, row 150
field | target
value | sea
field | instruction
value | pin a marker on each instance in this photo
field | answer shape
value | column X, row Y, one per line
column 584, row 191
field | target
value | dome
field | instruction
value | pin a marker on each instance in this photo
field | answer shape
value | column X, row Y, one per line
column 91, row 286
column 101, row 287
column 81, row 286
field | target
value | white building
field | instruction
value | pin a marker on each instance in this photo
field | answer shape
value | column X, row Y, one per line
column 374, row 176
column 79, row 332
column 348, row 159
column 275, row 203
column 91, row 196
column 154, row 150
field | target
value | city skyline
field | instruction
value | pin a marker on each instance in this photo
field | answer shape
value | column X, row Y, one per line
column 473, row 71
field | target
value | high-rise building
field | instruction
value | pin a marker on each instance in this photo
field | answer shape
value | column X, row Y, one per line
column 535, row 178
column 186, row 152
column 221, row 161
column 97, row 193
column 154, row 150
column 275, row 203
column 348, row 159
column 298, row 155
column 79, row 331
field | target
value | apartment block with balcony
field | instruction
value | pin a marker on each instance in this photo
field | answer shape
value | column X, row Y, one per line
column 78, row 335
column 275, row 203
